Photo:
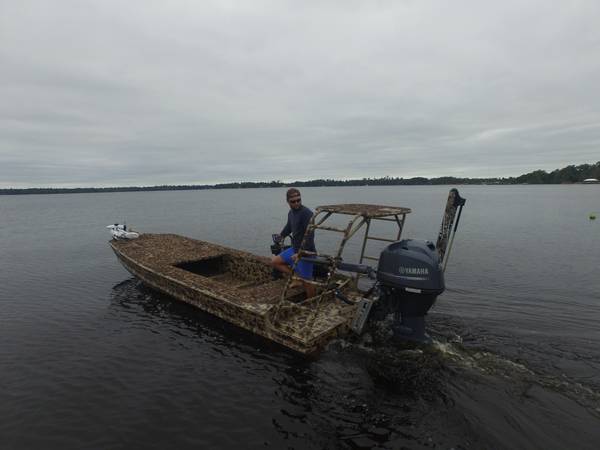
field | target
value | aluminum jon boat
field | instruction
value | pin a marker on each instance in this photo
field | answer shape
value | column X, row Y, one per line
column 239, row 287
column 231, row 284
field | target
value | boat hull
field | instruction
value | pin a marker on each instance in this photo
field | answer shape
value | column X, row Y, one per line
column 233, row 285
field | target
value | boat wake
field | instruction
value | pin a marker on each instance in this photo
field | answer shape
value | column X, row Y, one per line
column 370, row 390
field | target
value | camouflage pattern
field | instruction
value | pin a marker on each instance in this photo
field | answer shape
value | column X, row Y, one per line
column 454, row 201
column 364, row 210
column 239, row 290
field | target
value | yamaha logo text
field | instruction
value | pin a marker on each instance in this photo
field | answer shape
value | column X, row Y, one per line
column 415, row 271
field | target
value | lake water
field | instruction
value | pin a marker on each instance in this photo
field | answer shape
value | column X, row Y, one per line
column 90, row 358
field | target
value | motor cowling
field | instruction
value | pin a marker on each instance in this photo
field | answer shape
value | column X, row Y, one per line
column 411, row 264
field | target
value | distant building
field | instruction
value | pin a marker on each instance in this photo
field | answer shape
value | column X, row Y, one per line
column 591, row 181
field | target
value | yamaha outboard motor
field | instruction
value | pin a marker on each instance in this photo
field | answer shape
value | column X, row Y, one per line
column 411, row 276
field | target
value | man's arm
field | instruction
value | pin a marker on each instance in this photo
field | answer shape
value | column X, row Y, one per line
column 287, row 230
column 305, row 219
column 306, row 216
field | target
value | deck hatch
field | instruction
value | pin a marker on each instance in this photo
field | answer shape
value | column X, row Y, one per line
column 207, row 267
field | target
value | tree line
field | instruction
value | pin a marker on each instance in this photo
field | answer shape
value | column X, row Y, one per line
column 566, row 175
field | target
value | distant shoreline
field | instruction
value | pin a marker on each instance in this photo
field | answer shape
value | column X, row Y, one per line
column 567, row 175
column 42, row 191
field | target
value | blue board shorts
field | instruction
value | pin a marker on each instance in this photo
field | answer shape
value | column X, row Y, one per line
column 304, row 268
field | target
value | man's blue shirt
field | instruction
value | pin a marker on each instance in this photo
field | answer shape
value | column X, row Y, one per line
column 298, row 220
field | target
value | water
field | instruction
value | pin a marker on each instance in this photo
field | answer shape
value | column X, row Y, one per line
column 90, row 358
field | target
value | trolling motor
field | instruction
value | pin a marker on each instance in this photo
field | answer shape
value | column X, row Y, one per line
column 409, row 278
column 119, row 231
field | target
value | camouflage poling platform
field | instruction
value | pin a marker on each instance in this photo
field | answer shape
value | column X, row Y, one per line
column 233, row 285
column 365, row 210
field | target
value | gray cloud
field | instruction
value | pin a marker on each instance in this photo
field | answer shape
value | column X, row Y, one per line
column 142, row 93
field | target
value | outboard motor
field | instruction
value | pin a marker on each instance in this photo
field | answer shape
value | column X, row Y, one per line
column 410, row 278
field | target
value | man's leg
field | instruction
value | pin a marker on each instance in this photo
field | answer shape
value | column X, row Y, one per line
column 278, row 263
column 310, row 289
column 283, row 261
column 305, row 270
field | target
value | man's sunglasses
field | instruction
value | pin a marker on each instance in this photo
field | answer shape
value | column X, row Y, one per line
column 298, row 200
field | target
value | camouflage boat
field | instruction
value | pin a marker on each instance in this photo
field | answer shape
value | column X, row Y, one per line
column 236, row 286
column 239, row 287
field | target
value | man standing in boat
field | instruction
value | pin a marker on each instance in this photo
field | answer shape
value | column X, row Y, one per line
column 298, row 220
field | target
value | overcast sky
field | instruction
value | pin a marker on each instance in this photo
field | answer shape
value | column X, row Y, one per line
column 105, row 93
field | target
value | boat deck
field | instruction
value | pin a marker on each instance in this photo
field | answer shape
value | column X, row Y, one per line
column 234, row 285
